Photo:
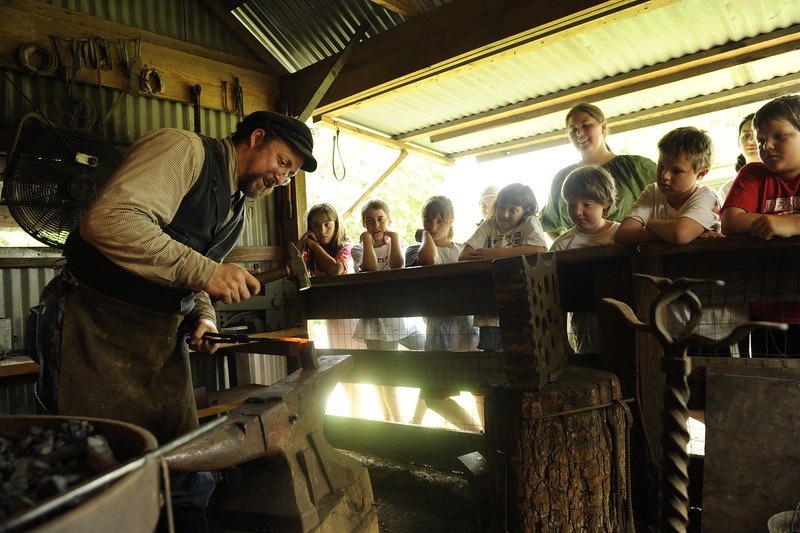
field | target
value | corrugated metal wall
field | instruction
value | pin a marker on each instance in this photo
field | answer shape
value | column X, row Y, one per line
column 19, row 93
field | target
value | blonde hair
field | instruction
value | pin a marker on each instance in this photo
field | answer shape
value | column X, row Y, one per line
column 690, row 142
column 375, row 204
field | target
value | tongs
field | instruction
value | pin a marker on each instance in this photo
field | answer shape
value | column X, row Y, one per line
column 217, row 338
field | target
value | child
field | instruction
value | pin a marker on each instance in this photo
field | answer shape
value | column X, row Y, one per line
column 764, row 201
column 325, row 248
column 590, row 194
column 485, row 202
column 452, row 333
column 443, row 333
column 326, row 252
column 382, row 249
column 512, row 230
column 677, row 208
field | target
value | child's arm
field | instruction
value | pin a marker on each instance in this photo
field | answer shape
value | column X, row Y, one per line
column 633, row 231
column 427, row 254
column 769, row 226
column 396, row 259
column 681, row 231
column 323, row 260
column 466, row 253
column 737, row 221
column 303, row 242
column 471, row 254
column 369, row 262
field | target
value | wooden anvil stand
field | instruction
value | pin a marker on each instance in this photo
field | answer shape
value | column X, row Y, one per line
column 555, row 433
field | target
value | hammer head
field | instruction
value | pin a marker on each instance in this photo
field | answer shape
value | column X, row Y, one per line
column 297, row 267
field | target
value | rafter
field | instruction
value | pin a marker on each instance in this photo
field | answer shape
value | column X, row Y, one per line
column 400, row 7
column 454, row 38
column 373, row 137
column 747, row 94
column 714, row 59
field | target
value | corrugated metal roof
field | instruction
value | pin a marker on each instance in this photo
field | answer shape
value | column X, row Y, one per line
column 676, row 30
column 657, row 36
column 300, row 34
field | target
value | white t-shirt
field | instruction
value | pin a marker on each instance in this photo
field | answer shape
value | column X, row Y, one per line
column 445, row 254
column 584, row 330
column 573, row 239
column 703, row 207
column 381, row 254
column 488, row 235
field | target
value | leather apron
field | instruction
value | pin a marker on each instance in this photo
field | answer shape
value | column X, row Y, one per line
column 125, row 362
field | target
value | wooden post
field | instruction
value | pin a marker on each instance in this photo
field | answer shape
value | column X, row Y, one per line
column 558, row 455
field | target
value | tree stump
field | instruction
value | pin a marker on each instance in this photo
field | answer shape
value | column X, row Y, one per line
column 558, row 455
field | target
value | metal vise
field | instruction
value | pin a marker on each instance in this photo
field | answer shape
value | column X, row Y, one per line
column 294, row 480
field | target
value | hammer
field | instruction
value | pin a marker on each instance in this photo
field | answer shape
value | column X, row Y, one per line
column 295, row 267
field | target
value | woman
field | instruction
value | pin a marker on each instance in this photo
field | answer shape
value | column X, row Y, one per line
column 587, row 130
column 749, row 151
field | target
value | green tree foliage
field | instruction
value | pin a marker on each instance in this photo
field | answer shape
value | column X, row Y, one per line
column 344, row 174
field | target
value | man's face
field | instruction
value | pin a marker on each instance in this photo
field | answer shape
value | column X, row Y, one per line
column 264, row 165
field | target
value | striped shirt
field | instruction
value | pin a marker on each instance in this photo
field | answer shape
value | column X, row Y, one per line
column 144, row 193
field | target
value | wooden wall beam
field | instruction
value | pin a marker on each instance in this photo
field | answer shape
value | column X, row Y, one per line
column 182, row 64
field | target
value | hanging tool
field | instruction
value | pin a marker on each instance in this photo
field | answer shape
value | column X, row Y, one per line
column 196, row 99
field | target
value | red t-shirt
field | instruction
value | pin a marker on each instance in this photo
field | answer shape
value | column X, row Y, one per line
column 758, row 190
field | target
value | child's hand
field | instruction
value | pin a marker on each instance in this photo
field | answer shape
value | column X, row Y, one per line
column 710, row 234
column 769, row 226
column 418, row 235
column 481, row 254
column 390, row 235
column 305, row 238
column 366, row 238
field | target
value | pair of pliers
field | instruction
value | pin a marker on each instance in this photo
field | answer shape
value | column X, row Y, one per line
column 217, row 338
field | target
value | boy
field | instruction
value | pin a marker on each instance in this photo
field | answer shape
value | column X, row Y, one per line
column 764, row 201
column 677, row 208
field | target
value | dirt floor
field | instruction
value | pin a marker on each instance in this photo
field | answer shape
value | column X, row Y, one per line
column 419, row 499
column 408, row 499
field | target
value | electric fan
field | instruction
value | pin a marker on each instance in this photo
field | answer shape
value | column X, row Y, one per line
column 52, row 178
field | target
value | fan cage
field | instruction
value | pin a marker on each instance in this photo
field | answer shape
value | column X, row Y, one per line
column 53, row 178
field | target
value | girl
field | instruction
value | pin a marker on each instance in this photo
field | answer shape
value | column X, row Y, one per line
column 512, row 230
column 749, row 154
column 443, row 333
column 453, row 333
column 326, row 252
column 382, row 249
column 587, row 130
column 590, row 195
column 378, row 248
column 325, row 247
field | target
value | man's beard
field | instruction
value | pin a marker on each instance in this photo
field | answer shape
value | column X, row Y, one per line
column 248, row 186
